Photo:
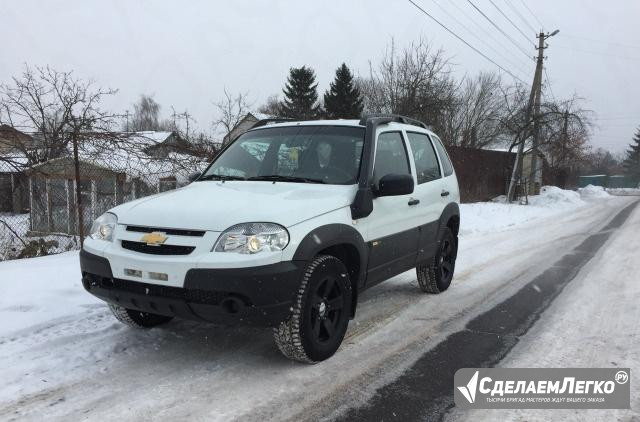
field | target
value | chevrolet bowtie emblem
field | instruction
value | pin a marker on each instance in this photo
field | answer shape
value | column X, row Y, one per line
column 154, row 238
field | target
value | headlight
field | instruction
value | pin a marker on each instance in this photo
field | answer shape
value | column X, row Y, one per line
column 253, row 238
column 104, row 226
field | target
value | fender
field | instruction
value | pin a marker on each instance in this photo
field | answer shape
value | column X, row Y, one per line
column 428, row 244
column 329, row 235
column 451, row 210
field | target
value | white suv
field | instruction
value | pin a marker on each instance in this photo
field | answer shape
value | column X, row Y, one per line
column 284, row 229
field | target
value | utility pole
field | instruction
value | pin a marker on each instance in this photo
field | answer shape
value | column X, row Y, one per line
column 533, row 171
column 565, row 137
column 532, row 109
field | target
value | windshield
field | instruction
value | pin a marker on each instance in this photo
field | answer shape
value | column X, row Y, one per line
column 305, row 154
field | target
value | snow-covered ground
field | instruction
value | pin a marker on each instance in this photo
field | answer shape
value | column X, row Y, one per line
column 62, row 353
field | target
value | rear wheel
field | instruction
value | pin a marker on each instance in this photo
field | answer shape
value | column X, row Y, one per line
column 435, row 275
column 138, row 319
column 320, row 315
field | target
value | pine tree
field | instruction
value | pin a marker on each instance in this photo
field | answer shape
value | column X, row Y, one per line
column 300, row 95
column 632, row 162
column 342, row 100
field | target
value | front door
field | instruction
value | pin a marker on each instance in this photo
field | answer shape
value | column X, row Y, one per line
column 392, row 233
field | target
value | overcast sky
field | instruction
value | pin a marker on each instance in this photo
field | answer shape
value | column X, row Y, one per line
column 186, row 53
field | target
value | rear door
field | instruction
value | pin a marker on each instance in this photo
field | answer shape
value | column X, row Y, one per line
column 450, row 190
column 392, row 233
column 429, row 190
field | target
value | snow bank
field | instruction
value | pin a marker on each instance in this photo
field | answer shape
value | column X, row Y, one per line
column 485, row 217
column 552, row 196
column 591, row 191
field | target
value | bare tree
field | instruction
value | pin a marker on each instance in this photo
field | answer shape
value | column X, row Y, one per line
column 55, row 107
column 565, row 129
column 230, row 112
column 602, row 161
column 474, row 119
column 60, row 110
column 414, row 81
column 146, row 116
column 271, row 107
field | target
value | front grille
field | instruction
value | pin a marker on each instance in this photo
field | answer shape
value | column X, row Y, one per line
column 172, row 232
column 157, row 249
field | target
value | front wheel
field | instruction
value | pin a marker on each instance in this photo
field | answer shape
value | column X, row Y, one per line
column 435, row 275
column 321, row 312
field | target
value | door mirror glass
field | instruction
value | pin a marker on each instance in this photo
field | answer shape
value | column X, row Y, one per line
column 194, row 176
column 394, row 185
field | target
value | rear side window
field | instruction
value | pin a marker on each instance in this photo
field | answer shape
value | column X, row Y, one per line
column 447, row 167
column 391, row 156
column 424, row 156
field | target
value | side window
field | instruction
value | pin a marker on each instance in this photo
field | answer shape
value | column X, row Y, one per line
column 424, row 156
column 391, row 156
column 447, row 167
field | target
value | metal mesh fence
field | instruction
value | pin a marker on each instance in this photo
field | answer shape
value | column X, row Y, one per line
column 40, row 208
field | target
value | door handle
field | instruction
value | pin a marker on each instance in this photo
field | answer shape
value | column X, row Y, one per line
column 444, row 193
column 413, row 201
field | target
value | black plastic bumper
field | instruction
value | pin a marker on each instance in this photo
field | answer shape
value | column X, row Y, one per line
column 255, row 296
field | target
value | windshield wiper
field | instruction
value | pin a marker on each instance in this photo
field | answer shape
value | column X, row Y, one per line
column 221, row 177
column 282, row 178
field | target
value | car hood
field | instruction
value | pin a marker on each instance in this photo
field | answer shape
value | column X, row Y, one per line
column 215, row 206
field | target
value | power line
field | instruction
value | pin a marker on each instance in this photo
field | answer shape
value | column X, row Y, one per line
column 486, row 31
column 522, row 18
column 465, row 42
column 499, row 29
column 511, row 22
column 546, row 77
column 532, row 14
column 483, row 40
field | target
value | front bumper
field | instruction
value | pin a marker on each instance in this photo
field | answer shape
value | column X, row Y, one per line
column 261, row 295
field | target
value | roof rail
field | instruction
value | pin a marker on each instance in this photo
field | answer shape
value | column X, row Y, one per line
column 265, row 122
column 393, row 118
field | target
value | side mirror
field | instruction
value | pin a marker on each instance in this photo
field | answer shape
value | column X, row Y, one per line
column 194, row 176
column 394, row 185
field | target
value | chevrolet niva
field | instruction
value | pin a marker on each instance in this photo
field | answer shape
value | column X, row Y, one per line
column 284, row 229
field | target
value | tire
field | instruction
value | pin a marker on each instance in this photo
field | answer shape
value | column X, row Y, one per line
column 138, row 319
column 435, row 275
column 321, row 312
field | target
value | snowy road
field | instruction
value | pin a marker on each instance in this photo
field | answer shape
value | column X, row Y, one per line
column 595, row 324
column 78, row 363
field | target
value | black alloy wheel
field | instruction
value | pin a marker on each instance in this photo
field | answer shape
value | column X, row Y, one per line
column 327, row 310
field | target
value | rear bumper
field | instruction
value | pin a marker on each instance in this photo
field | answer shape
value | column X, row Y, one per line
column 254, row 296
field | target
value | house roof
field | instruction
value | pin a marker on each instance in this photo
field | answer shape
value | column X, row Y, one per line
column 14, row 140
column 131, row 157
column 12, row 134
column 129, row 154
column 147, row 138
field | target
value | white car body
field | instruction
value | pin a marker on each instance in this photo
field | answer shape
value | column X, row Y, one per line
column 180, row 254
